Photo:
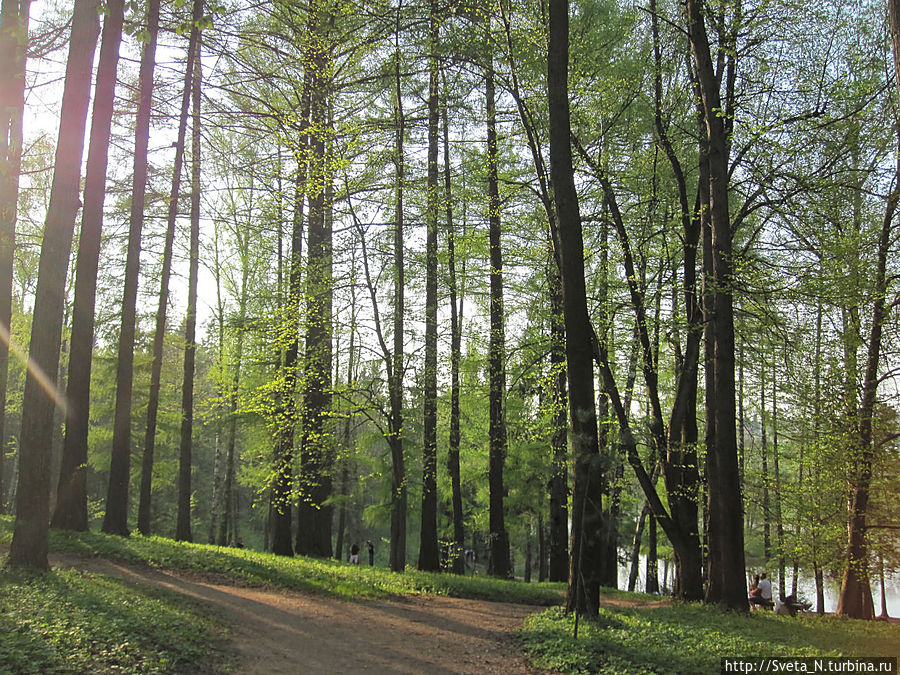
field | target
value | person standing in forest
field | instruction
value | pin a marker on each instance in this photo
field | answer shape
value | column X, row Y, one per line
column 371, row 547
column 354, row 553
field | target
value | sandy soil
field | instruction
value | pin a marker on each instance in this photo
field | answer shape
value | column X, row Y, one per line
column 289, row 632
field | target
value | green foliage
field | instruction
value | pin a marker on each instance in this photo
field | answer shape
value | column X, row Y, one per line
column 350, row 582
column 68, row 621
column 692, row 639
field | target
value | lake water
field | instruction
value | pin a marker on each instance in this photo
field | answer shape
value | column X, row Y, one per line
column 806, row 587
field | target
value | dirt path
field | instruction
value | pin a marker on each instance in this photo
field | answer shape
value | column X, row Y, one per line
column 290, row 632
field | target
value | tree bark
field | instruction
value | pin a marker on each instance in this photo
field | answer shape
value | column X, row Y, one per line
column 558, row 485
column 652, row 583
column 183, row 519
column 429, row 553
column 280, row 507
column 726, row 526
column 779, row 524
column 29, row 542
column 456, row 311
column 115, row 521
column 146, row 484
column 317, row 439
column 764, row 474
column 559, row 473
column 71, row 511
column 636, row 548
column 586, row 546
column 499, row 565
column 856, row 596
column 228, row 523
column 13, row 44
column 397, row 557
column 543, row 567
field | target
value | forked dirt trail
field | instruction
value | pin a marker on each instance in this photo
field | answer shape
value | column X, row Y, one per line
column 290, row 632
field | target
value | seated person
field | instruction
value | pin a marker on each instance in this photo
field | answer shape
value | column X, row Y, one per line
column 791, row 606
column 763, row 592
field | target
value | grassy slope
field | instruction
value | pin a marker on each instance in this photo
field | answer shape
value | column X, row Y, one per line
column 330, row 577
column 693, row 639
column 114, row 630
column 70, row 622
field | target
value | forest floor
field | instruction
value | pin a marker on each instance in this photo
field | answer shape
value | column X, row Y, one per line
column 286, row 631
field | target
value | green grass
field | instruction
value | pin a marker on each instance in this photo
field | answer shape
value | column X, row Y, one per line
column 108, row 624
column 330, row 577
column 67, row 621
column 687, row 638
column 71, row 621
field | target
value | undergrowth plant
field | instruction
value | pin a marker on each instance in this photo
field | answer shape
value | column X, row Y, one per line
column 692, row 638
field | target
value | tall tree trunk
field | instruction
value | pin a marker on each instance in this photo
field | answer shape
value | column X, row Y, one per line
column 856, row 596
column 115, row 521
column 13, row 44
column 29, row 542
column 146, row 484
column 680, row 456
column 429, row 552
column 217, row 517
column 680, row 463
column 71, row 501
column 499, row 538
column 817, row 391
column 726, row 526
column 608, row 564
column 558, row 485
column 559, row 474
column 397, row 559
column 183, row 519
column 227, row 534
column 280, row 509
column 779, row 524
column 317, row 438
column 543, row 568
column 528, row 550
column 586, row 546
column 764, row 450
column 347, row 428
column 456, row 311
column 740, row 404
column 215, row 512
column 652, row 584
column 636, row 548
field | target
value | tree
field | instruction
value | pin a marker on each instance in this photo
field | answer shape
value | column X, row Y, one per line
column 499, row 538
column 71, row 500
column 13, row 41
column 856, row 597
column 725, row 526
column 394, row 358
column 146, row 484
column 586, row 545
column 317, row 436
column 429, row 552
column 115, row 521
column 183, row 524
column 29, row 543
column 456, row 312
